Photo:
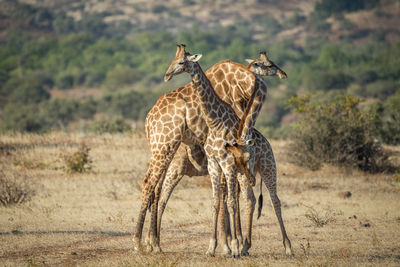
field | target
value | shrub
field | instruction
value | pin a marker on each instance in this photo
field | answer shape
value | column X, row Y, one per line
column 386, row 122
column 159, row 9
column 327, row 7
column 381, row 89
column 31, row 88
column 21, row 118
column 336, row 133
column 65, row 81
column 295, row 20
column 57, row 113
column 79, row 161
column 121, row 75
column 322, row 80
column 113, row 125
column 128, row 104
column 319, row 219
column 14, row 190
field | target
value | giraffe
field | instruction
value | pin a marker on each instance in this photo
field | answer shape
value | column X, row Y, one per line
column 191, row 162
column 219, row 143
column 263, row 66
column 234, row 84
column 224, row 127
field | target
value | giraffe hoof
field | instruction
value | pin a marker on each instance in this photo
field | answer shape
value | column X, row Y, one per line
column 289, row 253
column 244, row 253
column 149, row 248
column 136, row 245
column 210, row 254
column 156, row 249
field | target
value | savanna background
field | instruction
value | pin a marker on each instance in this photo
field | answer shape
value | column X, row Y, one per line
column 77, row 79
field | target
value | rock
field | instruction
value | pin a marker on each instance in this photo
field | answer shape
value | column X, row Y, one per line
column 346, row 194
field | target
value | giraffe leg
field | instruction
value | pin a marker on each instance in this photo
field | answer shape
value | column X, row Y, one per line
column 146, row 194
column 156, row 172
column 215, row 173
column 148, row 237
column 237, row 217
column 188, row 161
column 165, row 195
column 269, row 179
column 232, row 209
column 223, row 220
column 250, row 202
column 277, row 207
column 227, row 221
column 153, row 244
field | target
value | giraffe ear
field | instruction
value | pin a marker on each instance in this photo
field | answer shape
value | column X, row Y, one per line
column 195, row 57
column 249, row 60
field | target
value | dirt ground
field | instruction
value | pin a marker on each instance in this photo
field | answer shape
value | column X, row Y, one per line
column 334, row 217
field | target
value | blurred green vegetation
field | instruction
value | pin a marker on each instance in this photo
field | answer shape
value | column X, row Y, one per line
column 337, row 132
column 129, row 65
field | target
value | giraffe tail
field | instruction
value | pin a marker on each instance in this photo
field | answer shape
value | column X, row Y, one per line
column 260, row 201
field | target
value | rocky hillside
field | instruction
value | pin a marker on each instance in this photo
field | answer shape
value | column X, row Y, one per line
column 254, row 15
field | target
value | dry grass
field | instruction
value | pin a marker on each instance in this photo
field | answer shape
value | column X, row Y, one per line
column 14, row 189
column 87, row 219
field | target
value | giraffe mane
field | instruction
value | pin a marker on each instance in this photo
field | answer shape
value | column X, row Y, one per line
column 246, row 112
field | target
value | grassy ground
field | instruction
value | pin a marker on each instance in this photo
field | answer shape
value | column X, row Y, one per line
column 87, row 219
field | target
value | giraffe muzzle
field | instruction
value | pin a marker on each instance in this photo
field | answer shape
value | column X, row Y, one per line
column 167, row 77
column 282, row 74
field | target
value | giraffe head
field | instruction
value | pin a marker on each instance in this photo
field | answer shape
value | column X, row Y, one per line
column 265, row 67
column 244, row 160
column 182, row 62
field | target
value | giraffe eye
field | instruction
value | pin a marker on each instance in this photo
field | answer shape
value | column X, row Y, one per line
column 181, row 63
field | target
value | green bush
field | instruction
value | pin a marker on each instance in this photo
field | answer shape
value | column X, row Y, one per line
column 128, row 104
column 380, row 89
column 78, row 161
column 325, row 8
column 113, row 125
column 336, row 133
column 324, row 80
column 120, row 76
column 294, row 21
column 63, row 24
column 159, row 9
column 21, row 118
column 386, row 122
column 57, row 113
column 65, row 81
column 31, row 88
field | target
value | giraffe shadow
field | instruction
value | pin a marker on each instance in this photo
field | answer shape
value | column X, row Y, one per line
column 104, row 233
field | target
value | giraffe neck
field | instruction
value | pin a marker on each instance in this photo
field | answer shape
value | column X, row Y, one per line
column 217, row 113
